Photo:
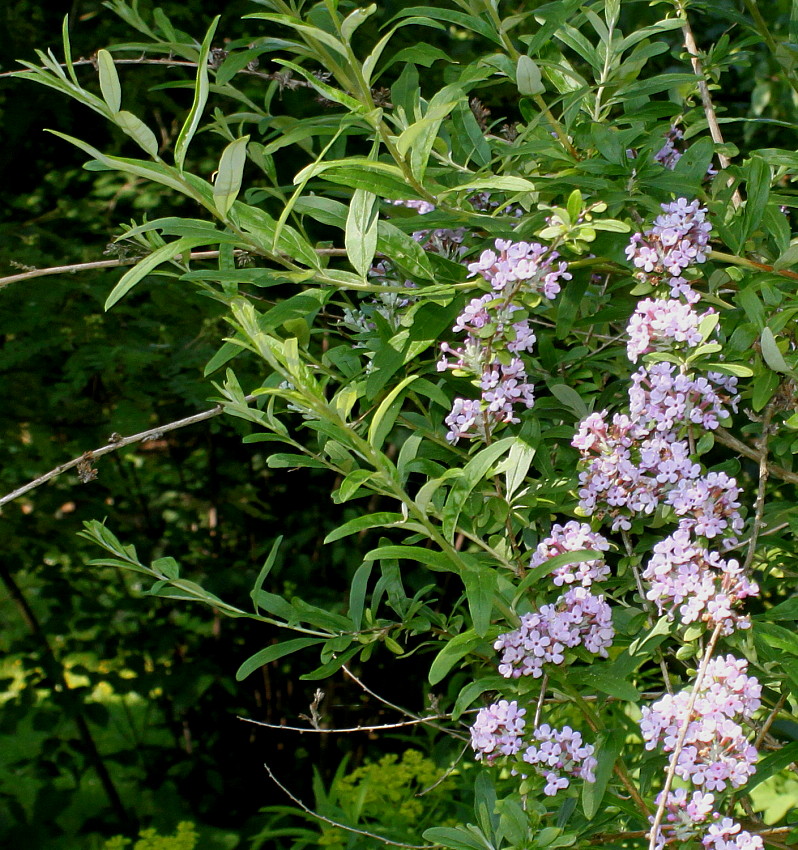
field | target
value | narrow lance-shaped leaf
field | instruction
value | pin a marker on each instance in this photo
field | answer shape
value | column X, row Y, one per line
column 141, row 134
column 201, row 89
column 142, row 269
column 360, row 236
column 230, row 173
column 109, row 81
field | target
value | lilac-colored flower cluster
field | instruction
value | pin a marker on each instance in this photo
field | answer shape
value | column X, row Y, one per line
column 701, row 585
column 558, row 754
column 577, row 617
column 687, row 814
column 573, row 537
column 498, row 730
column 716, row 752
column 677, row 240
column 669, row 154
column 662, row 398
column 663, row 325
column 521, row 264
column 497, row 332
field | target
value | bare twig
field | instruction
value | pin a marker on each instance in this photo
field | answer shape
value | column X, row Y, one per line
column 769, row 721
column 688, row 715
column 759, row 504
column 343, row 731
column 109, row 264
column 115, row 445
column 726, row 439
column 703, row 89
column 445, row 775
column 398, row 708
column 336, row 823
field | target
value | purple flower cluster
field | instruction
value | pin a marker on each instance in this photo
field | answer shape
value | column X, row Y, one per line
column 497, row 332
column 577, row 617
column 668, row 155
column 716, row 752
column 498, row 730
column 628, row 469
column 677, row 240
column 662, row 398
column 685, row 576
column 558, row 754
column 573, row 537
column 686, row 813
column 521, row 264
column 663, row 325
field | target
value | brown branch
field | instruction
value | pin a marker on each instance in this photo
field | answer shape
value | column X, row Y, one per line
column 115, row 445
column 109, row 264
column 335, row 823
column 703, row 88
column 731, row 442
column 320, row 730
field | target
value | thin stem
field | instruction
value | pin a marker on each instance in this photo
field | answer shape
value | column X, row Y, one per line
column 340, row 825
column 677, row 750
column 112, row 446
column 759, row 504
column 731, row 442
column 751, row 264
column 769, row 721
column 703, row 88
column 762, row 29
column 345, row 731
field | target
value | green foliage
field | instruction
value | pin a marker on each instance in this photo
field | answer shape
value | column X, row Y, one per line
column 512, row 124
column 185, row 838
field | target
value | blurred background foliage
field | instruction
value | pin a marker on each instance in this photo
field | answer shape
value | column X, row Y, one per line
column 121, row 712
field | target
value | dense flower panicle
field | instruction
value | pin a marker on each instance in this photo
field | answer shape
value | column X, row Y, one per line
column 558, row 754
column 716, row 752
column 662, row 398
column 678, row 239
column 503, row 387
column 577, row 617
column 727, row 834
column 708, row 505
column 498, row 730
column 627, row 469
column 521, row 265
column 700, row 585
column 662, row 325
column 572, row 537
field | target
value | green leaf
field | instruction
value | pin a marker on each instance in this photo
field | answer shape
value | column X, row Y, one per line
column 472, row 473
column 452, row 838
column 772, row 764
column 109, row 80
column 334, row 664
column 608, row 748
column 201, row 89
column 528, row 77
column 480, row 585
column 330, row 92
column 384, row 519
column 230, row 174
column 787, row 610
column 141, row 134
column 360, row 235
column 571, row 399
column 429, row 557
column 600, row 678
column 758, row 192
column 357, row 593
column 143, row 268
column 264, row 571
column 458, row 647
column 272, row 653
column 771, row 353
column 386, row 413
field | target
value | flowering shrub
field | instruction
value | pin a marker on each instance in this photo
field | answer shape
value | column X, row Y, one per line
column 579, row 421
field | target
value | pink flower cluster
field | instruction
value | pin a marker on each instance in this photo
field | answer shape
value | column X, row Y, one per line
column 577, row 617
column 687, row 813
column 521, row 264
column 573, row 537
column 659, row 325
column 716, row 752
column 677, row 240
column 497, row 332
column 558, row 754
column 498, row 730
column 683, row 576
